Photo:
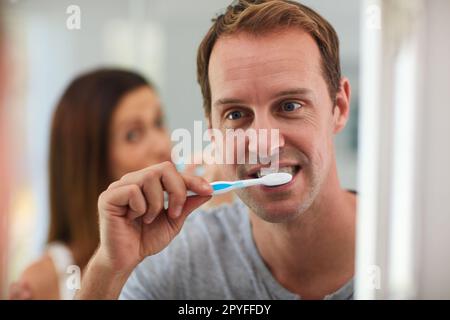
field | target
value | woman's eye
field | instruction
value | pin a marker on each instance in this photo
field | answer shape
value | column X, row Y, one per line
column 132, row 135
column 291, row 106
column 234, row 115
column 159, row 123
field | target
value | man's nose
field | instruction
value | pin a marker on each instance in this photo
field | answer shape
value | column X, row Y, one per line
column 267, row 138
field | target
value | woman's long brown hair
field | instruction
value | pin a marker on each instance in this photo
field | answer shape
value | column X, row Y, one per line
column 78, row 164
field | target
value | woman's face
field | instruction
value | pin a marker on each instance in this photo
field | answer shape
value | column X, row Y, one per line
column 138, row 137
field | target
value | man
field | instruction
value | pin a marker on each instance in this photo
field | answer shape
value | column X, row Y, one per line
column 262, row 65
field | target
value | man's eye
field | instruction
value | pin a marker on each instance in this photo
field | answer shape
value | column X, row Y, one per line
column 234, row 115
column 290, row 106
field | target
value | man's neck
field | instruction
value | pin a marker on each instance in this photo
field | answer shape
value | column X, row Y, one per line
column 314, row 255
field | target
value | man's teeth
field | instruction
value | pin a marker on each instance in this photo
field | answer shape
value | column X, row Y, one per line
column 291, row 170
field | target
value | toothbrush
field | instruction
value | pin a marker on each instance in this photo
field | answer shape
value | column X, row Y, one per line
column 219, row 187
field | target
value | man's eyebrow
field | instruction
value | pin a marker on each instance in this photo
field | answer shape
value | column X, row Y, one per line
column 226, row 101
column 288, row 92
column 294, row 91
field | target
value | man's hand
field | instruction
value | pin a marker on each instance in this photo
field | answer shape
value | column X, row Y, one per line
column 134, row 223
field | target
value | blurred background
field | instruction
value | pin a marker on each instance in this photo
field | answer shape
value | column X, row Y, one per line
column 394, row 150
column 158, row 38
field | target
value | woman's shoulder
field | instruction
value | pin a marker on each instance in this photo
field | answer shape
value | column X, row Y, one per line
column 41, row 278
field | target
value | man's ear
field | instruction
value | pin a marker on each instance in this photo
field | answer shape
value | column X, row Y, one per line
column 341, row 109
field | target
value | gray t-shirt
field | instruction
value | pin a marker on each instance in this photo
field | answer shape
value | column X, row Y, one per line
column 213, row 257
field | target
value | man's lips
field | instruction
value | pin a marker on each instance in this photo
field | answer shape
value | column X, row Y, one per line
column 292, row 168
column 283, row 187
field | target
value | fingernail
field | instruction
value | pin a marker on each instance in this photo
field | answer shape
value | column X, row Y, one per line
column 177, row 211
column 147, row 220
column 206, row 187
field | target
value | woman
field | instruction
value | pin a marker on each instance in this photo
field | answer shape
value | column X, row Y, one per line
column 107, row 123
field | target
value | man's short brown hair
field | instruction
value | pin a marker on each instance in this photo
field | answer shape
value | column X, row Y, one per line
column 263, row 16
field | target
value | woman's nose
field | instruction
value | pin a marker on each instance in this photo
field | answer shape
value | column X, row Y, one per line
column 159, row 147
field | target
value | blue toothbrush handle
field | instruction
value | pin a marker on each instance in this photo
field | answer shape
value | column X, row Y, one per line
column 191, row 193
column 188, row 194
column 218, row 187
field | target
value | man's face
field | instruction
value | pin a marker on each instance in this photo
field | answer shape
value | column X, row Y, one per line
column 275, row 82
